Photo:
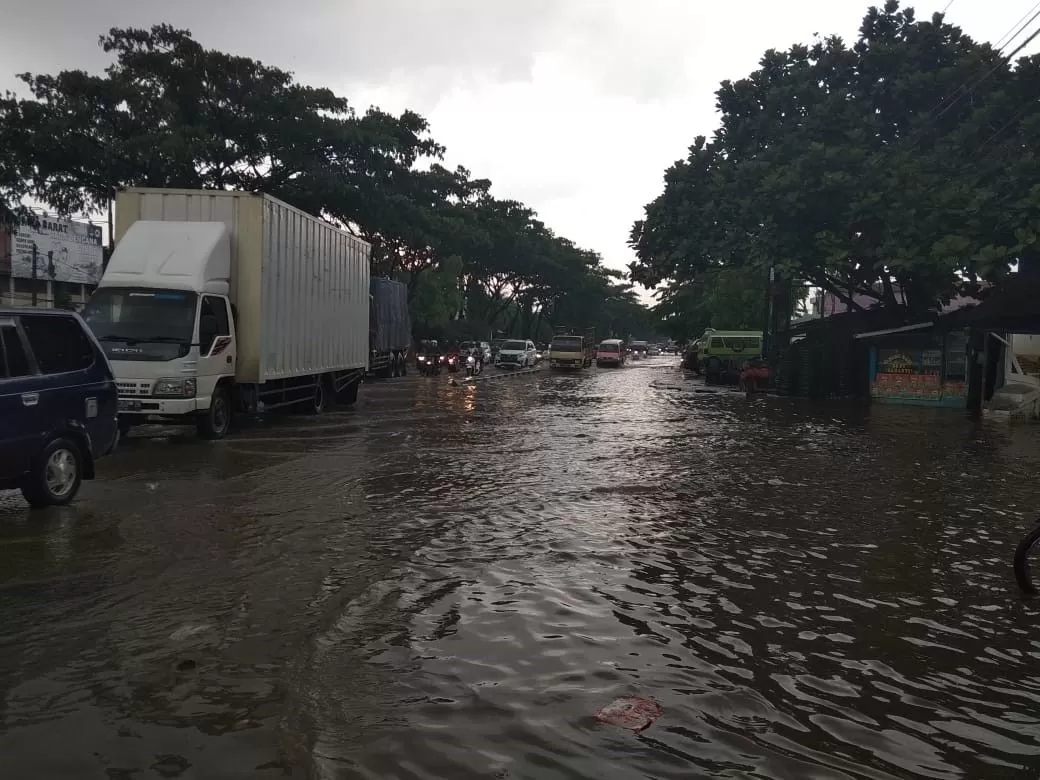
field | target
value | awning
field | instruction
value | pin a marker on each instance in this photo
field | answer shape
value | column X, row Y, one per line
column 887, row 331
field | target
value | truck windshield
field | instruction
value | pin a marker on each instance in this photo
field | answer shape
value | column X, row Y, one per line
column 140, row 323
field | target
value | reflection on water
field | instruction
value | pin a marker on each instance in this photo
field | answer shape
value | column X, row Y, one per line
column 451, row 582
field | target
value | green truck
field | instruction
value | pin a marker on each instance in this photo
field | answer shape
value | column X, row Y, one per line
column 723, row 354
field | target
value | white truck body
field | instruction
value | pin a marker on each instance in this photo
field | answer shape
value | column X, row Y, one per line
column 298, row 290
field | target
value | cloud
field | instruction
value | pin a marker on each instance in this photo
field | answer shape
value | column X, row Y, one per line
column 575, row 107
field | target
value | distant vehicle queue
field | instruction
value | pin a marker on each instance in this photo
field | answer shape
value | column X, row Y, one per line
column 566, row 352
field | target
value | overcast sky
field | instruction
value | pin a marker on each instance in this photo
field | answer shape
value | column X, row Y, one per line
column 575, row 107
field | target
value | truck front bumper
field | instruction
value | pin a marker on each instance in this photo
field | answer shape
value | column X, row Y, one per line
column 166, row 407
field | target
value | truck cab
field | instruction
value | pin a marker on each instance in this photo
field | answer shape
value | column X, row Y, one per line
column 164, row 317
column 570, row 352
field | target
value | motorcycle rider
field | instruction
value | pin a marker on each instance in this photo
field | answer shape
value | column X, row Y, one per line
column 452, row 357
column 475, row 360
column 429, row 357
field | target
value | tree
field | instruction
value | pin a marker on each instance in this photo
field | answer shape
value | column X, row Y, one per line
column 906, row 159
column 170, row 113
column 725, row 298
column 12, row 183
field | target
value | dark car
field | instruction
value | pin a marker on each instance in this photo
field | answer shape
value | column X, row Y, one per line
column 58, row 404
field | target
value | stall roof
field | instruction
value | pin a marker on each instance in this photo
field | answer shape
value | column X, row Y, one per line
column 1013, row 305
column 889, row 331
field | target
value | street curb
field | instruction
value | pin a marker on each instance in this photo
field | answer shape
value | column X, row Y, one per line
column 472, row 380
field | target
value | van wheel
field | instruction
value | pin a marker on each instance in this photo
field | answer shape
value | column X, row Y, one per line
column 55, row 476
column 216, row 422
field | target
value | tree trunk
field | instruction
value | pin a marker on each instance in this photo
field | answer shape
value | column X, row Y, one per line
column 831, row 287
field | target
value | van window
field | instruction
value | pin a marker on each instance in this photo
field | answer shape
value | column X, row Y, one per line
column 59, row 343
column 13, row 360
column 608, row 347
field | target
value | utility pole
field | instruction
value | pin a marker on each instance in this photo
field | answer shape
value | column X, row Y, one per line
column 34, row 253
column 769, row 314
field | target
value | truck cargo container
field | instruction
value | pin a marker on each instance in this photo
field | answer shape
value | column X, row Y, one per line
column 390, row 328
column 215, row 302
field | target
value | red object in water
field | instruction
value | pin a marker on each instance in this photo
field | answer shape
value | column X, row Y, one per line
column 630, row 712
column 758, row 373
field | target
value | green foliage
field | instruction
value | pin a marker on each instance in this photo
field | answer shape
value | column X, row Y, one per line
column 437, row 299
column 908, row 157
column 726, row 298
column 170, row 113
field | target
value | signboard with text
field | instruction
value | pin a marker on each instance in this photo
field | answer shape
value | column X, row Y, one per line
column 917, row 376
column 66, row 251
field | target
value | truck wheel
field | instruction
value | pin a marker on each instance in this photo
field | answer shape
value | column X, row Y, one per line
column 349, row 393
column 320, row 401
column 712, row 371
column 55, row 476
column 215, row 423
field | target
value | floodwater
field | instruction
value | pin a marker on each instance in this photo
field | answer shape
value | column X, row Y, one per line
column 450, row 582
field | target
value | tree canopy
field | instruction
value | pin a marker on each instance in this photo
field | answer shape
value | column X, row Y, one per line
column 170, row 113
column 906, row 160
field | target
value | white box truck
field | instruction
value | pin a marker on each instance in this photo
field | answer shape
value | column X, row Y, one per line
column 215, row 302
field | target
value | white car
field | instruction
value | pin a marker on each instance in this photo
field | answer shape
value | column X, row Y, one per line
column 516, row 353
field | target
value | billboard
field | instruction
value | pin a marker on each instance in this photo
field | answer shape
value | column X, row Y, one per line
column 66, row 251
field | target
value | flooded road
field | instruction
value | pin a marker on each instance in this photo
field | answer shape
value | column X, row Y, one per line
column 450, row 582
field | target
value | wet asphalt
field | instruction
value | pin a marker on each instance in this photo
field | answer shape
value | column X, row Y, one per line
column 449, row 582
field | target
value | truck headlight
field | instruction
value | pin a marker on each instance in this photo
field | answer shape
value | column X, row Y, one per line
column 174, row 388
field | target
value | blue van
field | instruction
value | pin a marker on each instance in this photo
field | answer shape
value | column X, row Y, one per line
column 58, row 404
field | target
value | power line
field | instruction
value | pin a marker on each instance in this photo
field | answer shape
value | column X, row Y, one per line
column 1027, row 41
column 967, row 88
column 1002, row 42
column 1001, row 61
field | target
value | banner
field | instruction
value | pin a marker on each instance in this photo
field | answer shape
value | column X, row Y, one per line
column 66, row 251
